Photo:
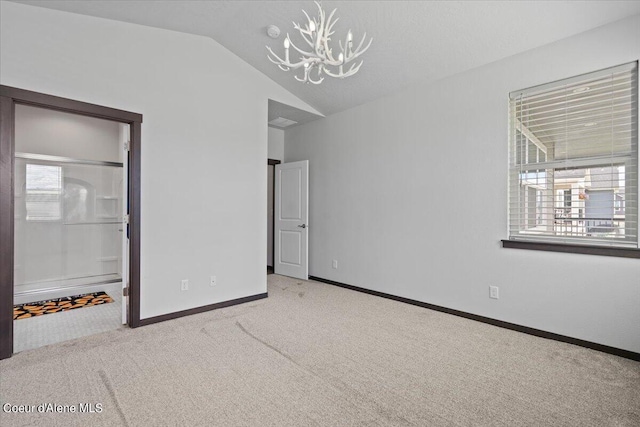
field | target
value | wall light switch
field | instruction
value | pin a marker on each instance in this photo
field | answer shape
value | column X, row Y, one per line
column 184, row 285
column 212, row 281
column 335, row 263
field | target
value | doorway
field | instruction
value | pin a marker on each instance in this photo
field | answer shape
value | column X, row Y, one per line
column 86, row 202
column 68, row 226
column 271, row 186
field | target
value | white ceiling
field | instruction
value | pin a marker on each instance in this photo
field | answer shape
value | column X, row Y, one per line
column 412, row 41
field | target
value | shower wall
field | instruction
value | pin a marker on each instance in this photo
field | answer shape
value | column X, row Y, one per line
column 68, row 214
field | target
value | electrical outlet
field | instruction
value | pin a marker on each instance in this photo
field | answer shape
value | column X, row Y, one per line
column 493, row 292
column 212, row 280
column 184, row 286
column 335, row 264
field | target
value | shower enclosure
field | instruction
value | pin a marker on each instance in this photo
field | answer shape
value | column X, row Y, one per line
column 68, row 226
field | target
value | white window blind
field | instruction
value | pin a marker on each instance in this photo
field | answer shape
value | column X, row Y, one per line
column 43, row 192
column 573, row 160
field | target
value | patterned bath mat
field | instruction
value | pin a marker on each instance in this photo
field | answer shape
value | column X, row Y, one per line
column 32, row 309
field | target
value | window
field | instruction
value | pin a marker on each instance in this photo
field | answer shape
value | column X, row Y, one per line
column 573, row 160
column 43, row 193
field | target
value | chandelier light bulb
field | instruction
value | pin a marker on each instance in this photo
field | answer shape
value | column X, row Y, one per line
column 316, row 57
column 286, row 48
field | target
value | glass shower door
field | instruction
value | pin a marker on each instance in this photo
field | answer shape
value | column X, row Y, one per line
column 68, row 226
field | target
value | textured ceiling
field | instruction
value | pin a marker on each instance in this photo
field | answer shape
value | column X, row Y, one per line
column 412, row 41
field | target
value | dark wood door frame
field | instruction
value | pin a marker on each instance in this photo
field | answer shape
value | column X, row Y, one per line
column 273, row 162
column 9, row 97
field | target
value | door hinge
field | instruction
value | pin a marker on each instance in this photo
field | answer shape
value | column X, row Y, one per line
column 127, row 146
column 125, row 219
column 125, row 292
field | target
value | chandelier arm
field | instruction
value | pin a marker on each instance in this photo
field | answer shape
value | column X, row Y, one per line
column 319, row 72
column 307, row 38
column 309, row 21
column 306, row 74
column 332, row 24
column 299, row 64
column 318, row 43
column 317, row 53
column 364, row 36
column 302, row 31
column 352, row 70
column 282, row 67
column 305, row 53
column 321, row 49
column 329, row 23
column 278, row 61
column 306, row 34
column 297, row 27
column 321, row 15
column 358, row 51
column 320, row 33
column 348, row 48
column 315, row 82
column 327, row 34
column 342, row 49
column 329, row 54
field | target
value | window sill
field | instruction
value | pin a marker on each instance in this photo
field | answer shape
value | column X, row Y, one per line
column 574, row 249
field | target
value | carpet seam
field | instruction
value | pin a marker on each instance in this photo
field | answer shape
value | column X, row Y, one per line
column 112, row 394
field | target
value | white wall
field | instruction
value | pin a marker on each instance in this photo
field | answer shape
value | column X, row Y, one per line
column 409, row 194
column 204, row 141
column 276, row 144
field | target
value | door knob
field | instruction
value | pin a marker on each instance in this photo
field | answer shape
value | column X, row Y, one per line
column 303, row 226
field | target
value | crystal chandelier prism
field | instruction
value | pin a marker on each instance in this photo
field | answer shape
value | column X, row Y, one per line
column 320, row 59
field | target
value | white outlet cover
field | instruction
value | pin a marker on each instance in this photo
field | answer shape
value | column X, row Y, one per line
column 494, row 292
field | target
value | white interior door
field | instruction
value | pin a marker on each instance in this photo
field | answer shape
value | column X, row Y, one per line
column 292, row 220
column 124, row 139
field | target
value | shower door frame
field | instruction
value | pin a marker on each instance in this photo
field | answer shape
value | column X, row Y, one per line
column 9, row 97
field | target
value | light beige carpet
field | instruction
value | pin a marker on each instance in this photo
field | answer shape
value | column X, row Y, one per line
column 317, row 355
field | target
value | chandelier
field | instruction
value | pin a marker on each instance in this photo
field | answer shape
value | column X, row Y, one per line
column 320, row 59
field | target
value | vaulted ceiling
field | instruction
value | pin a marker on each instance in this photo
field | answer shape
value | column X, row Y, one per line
column 413, row 42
